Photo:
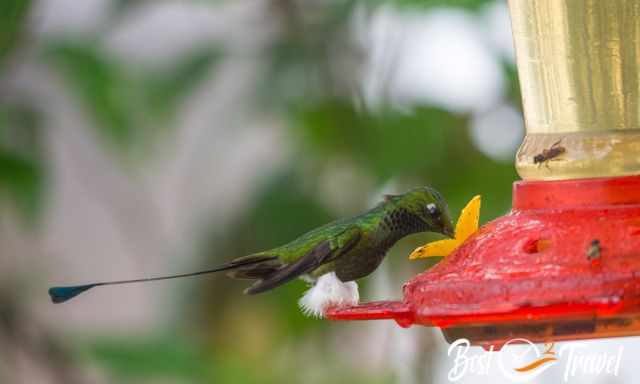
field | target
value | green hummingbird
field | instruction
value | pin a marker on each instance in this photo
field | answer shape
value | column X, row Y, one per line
column 350, row 248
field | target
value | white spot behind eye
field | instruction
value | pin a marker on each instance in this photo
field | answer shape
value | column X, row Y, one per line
column 432, row 208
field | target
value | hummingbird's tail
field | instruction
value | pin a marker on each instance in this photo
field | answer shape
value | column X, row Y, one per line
column 62, row 294
column 242, row 264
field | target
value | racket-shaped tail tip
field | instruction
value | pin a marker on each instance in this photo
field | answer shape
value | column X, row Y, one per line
column 62, row 294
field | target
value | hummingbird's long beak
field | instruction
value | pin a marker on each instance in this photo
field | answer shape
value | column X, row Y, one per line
column 449, row 231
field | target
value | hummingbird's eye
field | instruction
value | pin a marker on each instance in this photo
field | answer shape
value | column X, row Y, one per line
column 432, row 210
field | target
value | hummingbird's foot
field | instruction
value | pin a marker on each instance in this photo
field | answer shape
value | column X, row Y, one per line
column 328, row 292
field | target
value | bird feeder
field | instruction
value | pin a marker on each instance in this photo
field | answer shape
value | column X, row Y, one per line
column 564, row 264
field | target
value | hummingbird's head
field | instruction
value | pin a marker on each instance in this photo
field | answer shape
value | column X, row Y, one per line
column 430, row 207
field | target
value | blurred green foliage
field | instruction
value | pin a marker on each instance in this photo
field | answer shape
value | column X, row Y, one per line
column 162, row 358
column 220, row 335
column 21, row 162
column 22, row 168
column 168, row 358
column 470, row 4
column 389, row 143
column 128, row 104
column 12, row 19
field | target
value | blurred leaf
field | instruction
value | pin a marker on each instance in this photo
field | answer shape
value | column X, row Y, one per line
column 20, row 129
column 129, row 104
column 135, row 360
column 302, row 60
column 21, row 163
column 102, row 85
column 128, row 359
column 12, row 18
column 165, row 90
column 470, row 4
column 123, row 7
column 22, row 179
column 390, row 143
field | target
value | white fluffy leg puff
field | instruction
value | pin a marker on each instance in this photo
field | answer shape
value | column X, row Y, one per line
column 328, row 291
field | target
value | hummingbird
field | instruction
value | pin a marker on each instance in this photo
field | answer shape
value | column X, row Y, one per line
column 330, row 257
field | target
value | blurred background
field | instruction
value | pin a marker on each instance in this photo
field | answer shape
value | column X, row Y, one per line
column 142, row 138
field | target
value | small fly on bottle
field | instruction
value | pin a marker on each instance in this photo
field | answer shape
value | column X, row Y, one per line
column 548, row 154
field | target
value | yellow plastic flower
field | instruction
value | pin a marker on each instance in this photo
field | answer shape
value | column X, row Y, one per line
column 466, row 226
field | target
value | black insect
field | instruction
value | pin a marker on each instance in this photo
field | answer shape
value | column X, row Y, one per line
column 593, row 252
column 547, row 154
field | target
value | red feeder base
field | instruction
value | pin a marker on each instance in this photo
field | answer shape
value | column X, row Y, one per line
column 563, row 265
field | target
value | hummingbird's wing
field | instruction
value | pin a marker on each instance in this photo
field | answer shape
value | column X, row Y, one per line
column 325, row 251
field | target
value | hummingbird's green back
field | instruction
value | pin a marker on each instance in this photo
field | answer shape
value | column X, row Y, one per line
column 367, row 222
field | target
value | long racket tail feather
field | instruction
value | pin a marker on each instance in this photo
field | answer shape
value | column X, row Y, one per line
column 65, row 293
column 62, row 294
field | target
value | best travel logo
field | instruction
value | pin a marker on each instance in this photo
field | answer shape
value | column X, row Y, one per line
column 520, row 360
